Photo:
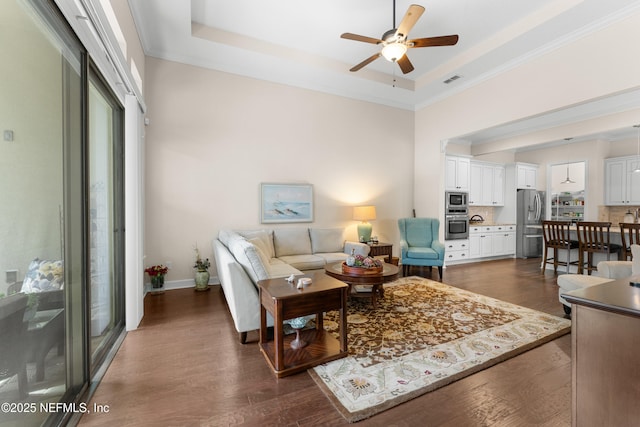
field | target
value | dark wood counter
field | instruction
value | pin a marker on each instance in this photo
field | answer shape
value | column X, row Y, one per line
column 605, row 338
column 617, row 296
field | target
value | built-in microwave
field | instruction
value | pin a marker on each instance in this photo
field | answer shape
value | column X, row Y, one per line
column 456, row 203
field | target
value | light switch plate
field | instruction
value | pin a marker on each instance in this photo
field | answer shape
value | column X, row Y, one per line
column 8, row 135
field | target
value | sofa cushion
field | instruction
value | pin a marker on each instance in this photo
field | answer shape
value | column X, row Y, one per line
column 249, row 257
column 304, row 262
column 326, row 240
column 635, row 264
column 265, row 237
column 282, row 269
column 291, row 241
column 422, row 253
column 331, row 257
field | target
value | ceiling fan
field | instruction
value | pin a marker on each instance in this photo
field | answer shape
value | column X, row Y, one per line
column 394, row 42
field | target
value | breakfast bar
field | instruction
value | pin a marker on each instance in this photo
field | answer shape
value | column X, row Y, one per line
column 605, row 344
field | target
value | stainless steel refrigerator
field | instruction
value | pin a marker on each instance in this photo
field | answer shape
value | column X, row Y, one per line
column 529, row 216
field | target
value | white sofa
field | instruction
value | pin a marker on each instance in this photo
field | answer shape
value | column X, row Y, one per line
column 247, row 256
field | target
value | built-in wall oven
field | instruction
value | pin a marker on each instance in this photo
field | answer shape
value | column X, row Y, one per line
column 456, row 227
column 456, row 215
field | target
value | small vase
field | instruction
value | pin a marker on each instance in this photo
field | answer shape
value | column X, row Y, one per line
column 157, row 282
column 202, row 280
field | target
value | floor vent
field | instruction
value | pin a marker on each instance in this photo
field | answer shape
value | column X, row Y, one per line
column 452, row 79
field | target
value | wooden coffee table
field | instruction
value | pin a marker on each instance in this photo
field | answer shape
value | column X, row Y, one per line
column 389, row 273
column 284, row 301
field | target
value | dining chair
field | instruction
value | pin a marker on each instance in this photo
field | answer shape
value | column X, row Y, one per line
column 594, row 237
column 556, row 237
column 630, row 235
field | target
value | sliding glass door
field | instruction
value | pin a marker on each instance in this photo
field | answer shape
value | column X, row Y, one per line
column 106, row 233
column 62, row 254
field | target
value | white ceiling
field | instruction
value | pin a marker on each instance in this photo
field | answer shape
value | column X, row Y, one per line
column 298, row 43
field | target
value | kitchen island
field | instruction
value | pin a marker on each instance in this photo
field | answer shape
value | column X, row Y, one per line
column 605, row 334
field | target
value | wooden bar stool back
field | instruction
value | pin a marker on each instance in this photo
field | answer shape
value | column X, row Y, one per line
column 556, row 237
column 630, row 235
column 594, row 237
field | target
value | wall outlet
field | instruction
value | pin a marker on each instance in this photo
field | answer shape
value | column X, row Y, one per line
column 8, row 135
column 169, row 265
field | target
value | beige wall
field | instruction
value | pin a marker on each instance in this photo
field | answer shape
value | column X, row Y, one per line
column 589, row 68
column 214, row 137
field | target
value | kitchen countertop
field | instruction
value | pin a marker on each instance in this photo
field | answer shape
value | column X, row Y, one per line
column 617, row 296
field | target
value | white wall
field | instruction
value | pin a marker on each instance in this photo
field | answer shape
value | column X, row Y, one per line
column 594, row 66
column 214, row 137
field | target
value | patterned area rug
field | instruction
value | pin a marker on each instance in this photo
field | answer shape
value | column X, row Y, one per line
column 424, row 335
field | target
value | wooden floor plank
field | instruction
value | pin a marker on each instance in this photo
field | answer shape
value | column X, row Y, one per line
column 185, row 366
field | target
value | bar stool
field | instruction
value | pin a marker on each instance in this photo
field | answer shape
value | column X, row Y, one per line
column 630, row 235
column 594, row 237
column 556, row 236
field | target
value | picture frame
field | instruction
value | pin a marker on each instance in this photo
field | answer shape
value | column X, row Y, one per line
column 283, row 203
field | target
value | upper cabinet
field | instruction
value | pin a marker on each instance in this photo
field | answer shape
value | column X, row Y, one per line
column 527, row 175
column 487, row 184
column 457, row 171
column 622, row 185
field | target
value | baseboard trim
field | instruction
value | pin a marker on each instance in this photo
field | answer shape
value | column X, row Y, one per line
column 181, row 284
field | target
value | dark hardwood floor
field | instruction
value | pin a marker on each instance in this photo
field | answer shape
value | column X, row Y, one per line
column 184, row 366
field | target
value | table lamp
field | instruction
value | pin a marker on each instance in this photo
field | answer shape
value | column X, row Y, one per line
column 364, row 214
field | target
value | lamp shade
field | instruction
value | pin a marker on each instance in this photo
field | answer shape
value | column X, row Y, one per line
column 364, row 213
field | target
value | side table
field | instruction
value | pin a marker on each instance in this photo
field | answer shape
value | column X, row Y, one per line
column 376, row 249
column 284, row 301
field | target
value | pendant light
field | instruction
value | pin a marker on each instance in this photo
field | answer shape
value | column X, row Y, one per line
column 637, row 169
column 568, row 180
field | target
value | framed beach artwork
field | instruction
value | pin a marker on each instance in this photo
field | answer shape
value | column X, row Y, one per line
column 286, row 203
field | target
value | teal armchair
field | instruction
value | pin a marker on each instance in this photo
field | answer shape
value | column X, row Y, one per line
column 419, row 244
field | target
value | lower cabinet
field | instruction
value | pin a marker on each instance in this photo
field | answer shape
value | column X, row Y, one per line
column 492, row 240
column 456, row 250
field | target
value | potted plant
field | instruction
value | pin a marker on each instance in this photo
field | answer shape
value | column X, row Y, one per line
column 202, row 272
column 156, row 274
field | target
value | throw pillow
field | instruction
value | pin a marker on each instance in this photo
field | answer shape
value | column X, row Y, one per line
column 266, row 237
column 635, row 266
column 43, row 275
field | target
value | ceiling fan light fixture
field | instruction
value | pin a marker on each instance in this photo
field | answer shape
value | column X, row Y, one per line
column 392, row 52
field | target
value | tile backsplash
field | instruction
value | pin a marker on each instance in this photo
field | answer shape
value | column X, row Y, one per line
column 486, row 212
column 615, row 214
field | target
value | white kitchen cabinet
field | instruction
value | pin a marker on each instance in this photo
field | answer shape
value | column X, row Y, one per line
column 486, row 187
column 457, row 170
column 622, row 185
column 456, row 250
column 492, row 241
column 527, row 175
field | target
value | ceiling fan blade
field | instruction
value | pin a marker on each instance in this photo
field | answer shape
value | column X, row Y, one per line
column 409, row 20
column 359, row 38
column 405, row 65
column 367, row 61
column 434, row 41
